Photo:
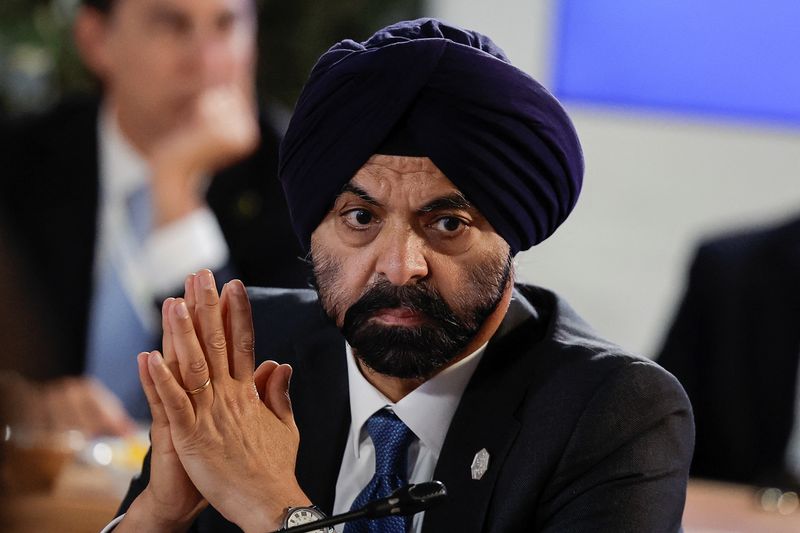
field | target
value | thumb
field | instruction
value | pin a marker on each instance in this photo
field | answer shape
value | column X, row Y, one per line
column 278, row 394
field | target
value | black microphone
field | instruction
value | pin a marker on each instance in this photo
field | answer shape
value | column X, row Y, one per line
column 407, row 500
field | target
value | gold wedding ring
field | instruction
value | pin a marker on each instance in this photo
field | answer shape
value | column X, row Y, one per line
column 199, row 389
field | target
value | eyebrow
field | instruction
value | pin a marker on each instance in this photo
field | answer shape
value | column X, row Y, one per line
column 361, row 193
column 455, row 200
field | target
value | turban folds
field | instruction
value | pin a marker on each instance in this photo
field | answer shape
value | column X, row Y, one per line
column 497, row 134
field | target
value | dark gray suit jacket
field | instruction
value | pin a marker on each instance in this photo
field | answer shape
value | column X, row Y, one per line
column 582, row 436
column 734, row 345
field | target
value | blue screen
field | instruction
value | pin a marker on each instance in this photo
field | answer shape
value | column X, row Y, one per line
column 736, row 58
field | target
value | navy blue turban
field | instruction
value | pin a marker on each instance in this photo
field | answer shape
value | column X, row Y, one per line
column 497, row 134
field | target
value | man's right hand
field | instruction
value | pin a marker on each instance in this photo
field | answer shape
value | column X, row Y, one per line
column 170, row 502
column 221, row 129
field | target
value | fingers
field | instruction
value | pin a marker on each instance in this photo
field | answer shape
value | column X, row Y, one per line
column 170, row 357
column 55, row 411
column 83, row 404
column 223, row 309
column 71, row 407
column 240, row 331
column 157, row 411
column 192, row 362
column 189, row 295
column 260, row 378
column 277, row 394
column 177, row 407
column 208, row 322
column 107, row 410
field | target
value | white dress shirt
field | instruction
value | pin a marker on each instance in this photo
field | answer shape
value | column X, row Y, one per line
column 427, row 411
column 170, row 252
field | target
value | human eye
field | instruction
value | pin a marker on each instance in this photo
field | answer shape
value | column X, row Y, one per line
column 169, row 23
column 358, row 219
column 227, row 22
column 450, row 225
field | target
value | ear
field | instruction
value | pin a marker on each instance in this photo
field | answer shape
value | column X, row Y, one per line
column 91, row 35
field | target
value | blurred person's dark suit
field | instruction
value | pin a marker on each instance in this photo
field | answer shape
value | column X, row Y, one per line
column 50, row 195
column 27, row 344
column 734, row 346
column 28, row 348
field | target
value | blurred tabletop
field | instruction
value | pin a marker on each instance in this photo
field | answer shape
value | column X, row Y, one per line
column 714, row 507
column 86, row 495
column 69, row 485
column 84, row 499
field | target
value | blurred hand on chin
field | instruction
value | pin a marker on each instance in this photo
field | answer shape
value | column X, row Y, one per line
column 71, row 403
column 221, row 128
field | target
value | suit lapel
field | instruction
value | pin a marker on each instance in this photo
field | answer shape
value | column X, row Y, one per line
column 322, row 411
column 484, row 420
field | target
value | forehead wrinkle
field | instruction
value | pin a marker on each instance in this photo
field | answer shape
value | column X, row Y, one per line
column 382, row 172
column 402, row 162
column 382, row 167
column 416, row 179
column 394, row 166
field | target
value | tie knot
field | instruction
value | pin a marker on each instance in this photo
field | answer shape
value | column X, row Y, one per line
column 391, row 438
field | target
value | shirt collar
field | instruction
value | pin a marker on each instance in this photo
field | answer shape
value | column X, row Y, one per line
column 123, row 169
column 427, row 410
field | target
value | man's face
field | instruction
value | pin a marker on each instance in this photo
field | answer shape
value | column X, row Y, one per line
column 407, row 268
column 159, row 55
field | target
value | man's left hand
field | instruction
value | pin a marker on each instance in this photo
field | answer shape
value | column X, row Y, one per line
column 236, row 435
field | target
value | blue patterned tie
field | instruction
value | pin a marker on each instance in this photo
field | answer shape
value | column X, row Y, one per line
column 391, row 438
column 116, row 333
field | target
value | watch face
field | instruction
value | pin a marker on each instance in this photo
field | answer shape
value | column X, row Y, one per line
column 304, row 515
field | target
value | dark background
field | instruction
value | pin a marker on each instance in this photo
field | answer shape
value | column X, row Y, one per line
column 39, row 64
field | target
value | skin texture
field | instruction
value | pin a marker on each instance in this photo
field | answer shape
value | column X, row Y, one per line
column 403, row 242
column 234, row 444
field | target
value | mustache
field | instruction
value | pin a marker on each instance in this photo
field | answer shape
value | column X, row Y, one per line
column 419, row 297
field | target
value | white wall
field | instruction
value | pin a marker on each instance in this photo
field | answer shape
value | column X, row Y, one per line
column 654, row 185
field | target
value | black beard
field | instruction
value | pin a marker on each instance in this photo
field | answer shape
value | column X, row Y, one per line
column 420, row 351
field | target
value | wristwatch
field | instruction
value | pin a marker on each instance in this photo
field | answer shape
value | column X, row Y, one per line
column 296, row 516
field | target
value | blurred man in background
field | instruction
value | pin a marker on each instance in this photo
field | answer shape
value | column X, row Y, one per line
column 112, row 201
column 734, row 345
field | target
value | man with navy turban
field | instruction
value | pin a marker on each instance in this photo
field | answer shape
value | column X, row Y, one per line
column 416, row 165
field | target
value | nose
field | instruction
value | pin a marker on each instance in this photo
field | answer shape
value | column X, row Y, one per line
column 210, row 59
column 401, row 257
